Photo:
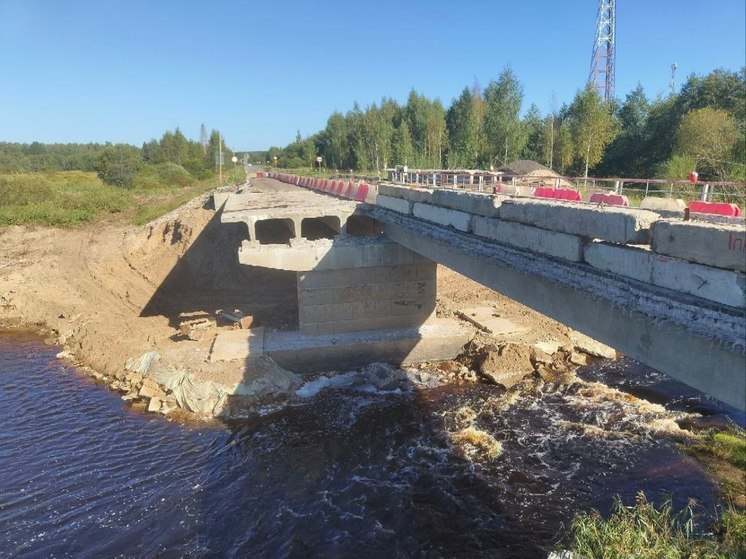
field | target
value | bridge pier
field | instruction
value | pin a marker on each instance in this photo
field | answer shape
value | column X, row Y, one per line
column 361, row 297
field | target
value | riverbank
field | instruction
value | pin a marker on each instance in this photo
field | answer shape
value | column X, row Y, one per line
column 113, row 296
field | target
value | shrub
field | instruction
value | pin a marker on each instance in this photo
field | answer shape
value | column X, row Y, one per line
column 118, row 165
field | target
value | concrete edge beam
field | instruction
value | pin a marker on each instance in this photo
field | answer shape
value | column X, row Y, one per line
column 396, row 204
column 725, row 287
column 551, row 243
column 613, row 224
column 443, row 216
column 629, row 262
column 405, row 192
column 470, row 202
column 720, row 246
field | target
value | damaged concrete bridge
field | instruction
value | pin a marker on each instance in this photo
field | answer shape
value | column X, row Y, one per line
column 668, row 293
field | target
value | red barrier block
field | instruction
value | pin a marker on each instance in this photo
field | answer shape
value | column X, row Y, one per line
column 348, row 191
column 544, row 192
column 333, row 186
column 717, row 208
column 362, row 192
column 567, row 194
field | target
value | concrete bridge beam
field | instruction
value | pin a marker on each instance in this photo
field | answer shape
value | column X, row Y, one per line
column 647, row 326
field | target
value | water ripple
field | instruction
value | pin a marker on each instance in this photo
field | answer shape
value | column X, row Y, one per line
column 340, row 473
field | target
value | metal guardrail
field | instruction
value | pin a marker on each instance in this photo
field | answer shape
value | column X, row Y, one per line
column 635, row 188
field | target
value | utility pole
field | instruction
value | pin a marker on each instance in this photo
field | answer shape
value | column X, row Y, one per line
column 220, row 158
column 604, row 50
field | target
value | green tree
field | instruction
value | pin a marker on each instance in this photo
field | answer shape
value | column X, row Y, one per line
column 463, row 131
column 564, row 148
column 403, row 149
column 709, row 136
column 720, row 89
column 117, row 165
column 333, row 142
column 436, row 134
column 505, row 137
column 592, row 126
column 677, row 167
column 379, row 130
column 357, row 140
column 152, row 153
column 535, row 130
column 625, row 155
column 547, row 140
column 426, row 121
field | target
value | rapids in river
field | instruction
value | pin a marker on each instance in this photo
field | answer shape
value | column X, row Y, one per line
column 455, row 470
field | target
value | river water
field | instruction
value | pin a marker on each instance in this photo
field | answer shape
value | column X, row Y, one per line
column 339, row 473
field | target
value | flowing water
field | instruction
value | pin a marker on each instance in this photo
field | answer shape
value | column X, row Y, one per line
column 447, row 471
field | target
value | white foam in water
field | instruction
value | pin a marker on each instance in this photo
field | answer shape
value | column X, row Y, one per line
column 313, row 387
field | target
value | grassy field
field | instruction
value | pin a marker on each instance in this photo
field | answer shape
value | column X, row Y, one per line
column 72, row 198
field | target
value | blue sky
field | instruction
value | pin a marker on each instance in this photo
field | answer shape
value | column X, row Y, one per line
column 128, row 70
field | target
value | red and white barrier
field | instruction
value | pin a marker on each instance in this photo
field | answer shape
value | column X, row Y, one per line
column 716, row 208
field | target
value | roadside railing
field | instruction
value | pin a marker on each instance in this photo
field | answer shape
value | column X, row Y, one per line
column 635, row 188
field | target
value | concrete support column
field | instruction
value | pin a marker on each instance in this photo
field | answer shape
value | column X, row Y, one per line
column 335, row 301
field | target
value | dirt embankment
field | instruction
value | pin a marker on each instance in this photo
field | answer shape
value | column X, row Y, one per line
column 111, row 292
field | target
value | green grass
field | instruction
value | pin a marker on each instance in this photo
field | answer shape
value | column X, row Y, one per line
column 58, row 199
column 723, row 454
column 643, row 531
column 151, row 210
column 73, row 198
column 731, row 446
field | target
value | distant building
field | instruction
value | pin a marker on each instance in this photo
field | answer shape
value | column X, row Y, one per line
column 530, row 173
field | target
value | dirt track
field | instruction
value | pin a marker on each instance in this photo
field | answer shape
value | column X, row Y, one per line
column 109, row 292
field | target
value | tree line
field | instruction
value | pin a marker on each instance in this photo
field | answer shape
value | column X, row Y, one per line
column 173, row 157
column 700, row 127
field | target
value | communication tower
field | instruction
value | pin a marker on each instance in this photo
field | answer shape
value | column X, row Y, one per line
column 604, row 51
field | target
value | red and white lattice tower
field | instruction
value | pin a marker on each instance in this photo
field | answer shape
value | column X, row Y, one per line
column 604, row 51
